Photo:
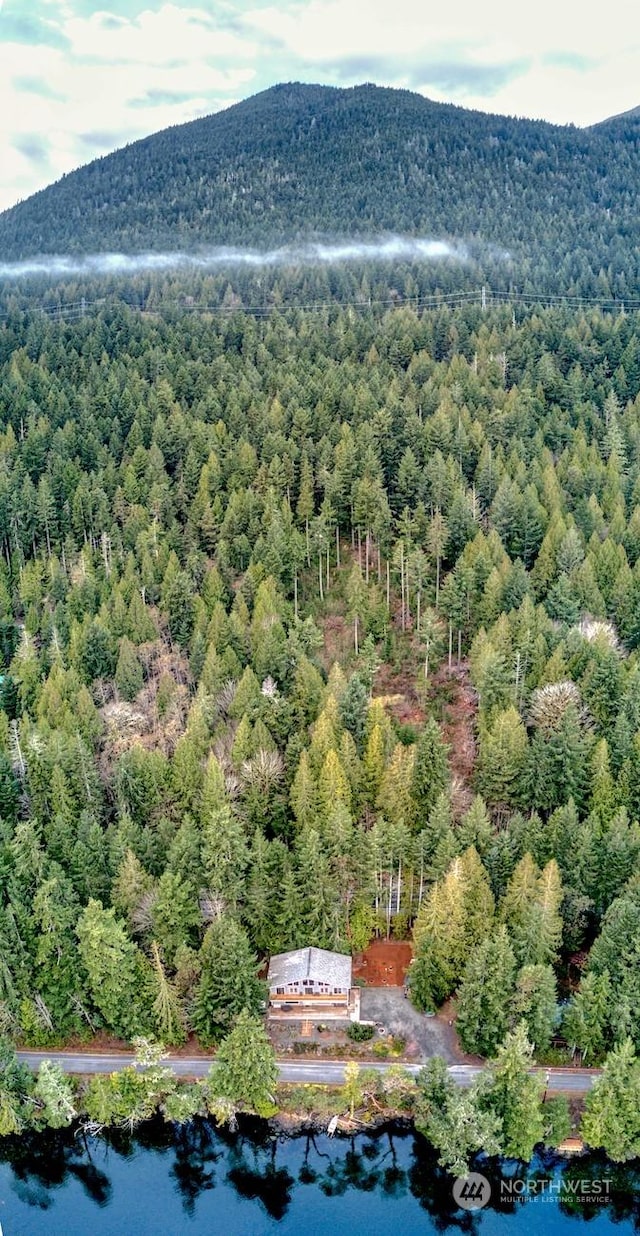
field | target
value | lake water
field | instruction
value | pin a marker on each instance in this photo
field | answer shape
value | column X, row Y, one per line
column 196, row 1180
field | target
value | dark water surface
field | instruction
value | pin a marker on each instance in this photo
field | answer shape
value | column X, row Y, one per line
column 197, row 1180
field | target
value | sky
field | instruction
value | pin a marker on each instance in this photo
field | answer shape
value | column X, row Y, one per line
column 79, row 78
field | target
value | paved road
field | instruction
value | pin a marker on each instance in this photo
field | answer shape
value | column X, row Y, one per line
column 578, row 1081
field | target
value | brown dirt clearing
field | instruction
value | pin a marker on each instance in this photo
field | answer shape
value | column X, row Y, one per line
column 384, row 963
column 458, row 700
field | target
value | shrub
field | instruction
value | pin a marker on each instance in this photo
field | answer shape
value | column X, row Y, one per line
column 389, row 1047
column 407, row 733
column 358, row 1032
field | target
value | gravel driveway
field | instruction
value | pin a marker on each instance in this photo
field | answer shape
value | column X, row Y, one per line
column 392, row 1009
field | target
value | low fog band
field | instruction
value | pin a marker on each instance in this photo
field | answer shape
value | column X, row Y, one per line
column 392, row 248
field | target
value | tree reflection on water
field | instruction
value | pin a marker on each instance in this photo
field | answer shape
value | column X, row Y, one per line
column 43, row 1162
column 256, row 1165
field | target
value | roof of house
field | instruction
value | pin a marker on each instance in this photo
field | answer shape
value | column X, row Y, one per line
column 318, row 964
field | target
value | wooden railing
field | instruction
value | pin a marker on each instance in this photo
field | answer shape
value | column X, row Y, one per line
column 309, row 998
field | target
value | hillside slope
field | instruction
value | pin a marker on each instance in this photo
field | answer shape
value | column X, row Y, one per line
column 628, row 119
column 299, row 161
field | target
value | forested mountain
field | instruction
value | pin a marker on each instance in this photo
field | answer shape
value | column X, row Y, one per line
column 300, row 161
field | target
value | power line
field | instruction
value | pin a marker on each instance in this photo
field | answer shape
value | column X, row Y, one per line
column 73, row 311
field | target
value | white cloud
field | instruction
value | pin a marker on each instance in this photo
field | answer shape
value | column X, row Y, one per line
column 121, row 80
column 565, row 95
column 335, row 29
column 155, row 37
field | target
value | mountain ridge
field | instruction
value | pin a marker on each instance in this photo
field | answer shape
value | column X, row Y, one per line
column 632, row 113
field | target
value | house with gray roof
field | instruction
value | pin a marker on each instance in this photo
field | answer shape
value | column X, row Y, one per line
column 309, row 978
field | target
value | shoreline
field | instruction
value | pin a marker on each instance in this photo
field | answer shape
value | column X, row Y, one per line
column 295, row 1124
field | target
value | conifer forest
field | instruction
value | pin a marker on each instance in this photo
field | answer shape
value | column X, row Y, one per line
column 249, row 567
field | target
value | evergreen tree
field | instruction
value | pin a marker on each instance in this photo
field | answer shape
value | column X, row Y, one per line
column 587, row 1019
column 261, row 893
column 616, row 953
column 452, row 922
column 393, row 784
column 129, row 677
column 557, row 765
column 316, row 894
column 353, row 709
column 166, row 1009
column 289, row 927
column 536, row 1003
column 531, row 911
column 245, row 1072
column 131, row 886
column 228, row 982
column 115, row 970
column 611, row 1117
column 430, row 769
column 333, row 785
column 225, row 854
column 57, row 973
column 513, row 1095
column 485, row 997
column 303, row 794
column 502, row 759
column 603, row 790
column 175, row 914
